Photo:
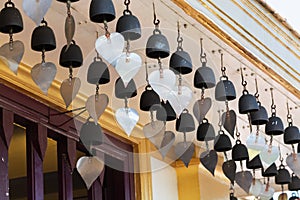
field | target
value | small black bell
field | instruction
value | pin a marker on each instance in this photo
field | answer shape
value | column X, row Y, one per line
column 294, row 185
column 185, row 123
column 270, row 171
column 181, row 62
column 239, row 152
column 225, row 90
column 102, row 11
column 71, row 57
column 260, row 116
column 247, row 103
column 283, row 176
column 43, row 38
column 122, row 91
column 148, row 99
column 11, row 19
column 274, row 126
column 204, row 77
column 291, row 135
column 129, row 26
column 222, row 143
column 98, row 73
column 157, row 46
column 255, row 163
column 205, row 131
column 165, row 112
column 91, row 134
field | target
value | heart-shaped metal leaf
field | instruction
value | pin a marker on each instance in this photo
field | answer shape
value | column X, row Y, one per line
column 43, row 74
column 293, row 161
column 229, row 170
column 201, row 108
column 229, row 121
column 128, row 65
column 256, row 187
column 267, row 192
column 164, row 84
column 69, row 89
column 154, row 132
column 180, row 101
column 244, row 180
column 96, row 105
column 110, row 48
column 167, row 143
column 89, row 169
column 69, row 29
column 36, row 9
column 209, row 159
column 268, row 156
column 185, row 151
column 127, row 118
column 12, row 55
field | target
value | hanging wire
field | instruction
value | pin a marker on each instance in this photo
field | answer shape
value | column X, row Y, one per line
column 179, row 38
column 289, row 115
column 223, row 69
column 244, row 83
column 203, row 58
column 147, row 73
column 256, row 92
column 155, row 20
column 273, row 106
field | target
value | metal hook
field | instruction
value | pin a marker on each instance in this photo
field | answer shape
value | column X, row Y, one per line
column 223, row 69
column 155, row 20
column 273, row 106
column 244, row 83
column 256, row 88
column 289, row 116
column 202, row 53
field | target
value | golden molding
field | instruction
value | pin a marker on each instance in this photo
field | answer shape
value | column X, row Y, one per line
column 212, row 27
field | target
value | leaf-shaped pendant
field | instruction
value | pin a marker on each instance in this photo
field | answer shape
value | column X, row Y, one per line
column 69, row 29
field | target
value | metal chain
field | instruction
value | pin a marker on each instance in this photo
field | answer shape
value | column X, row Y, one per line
column 161, row 70
column 273, row 106
column 70, row 73
column 220, row 121
column 223, row 69
column 69, row 8
column 107, row 33
column 202, row 94
column 180, row 84
column 203, row 58
column 179, row 38
column 244, row 83
column 289, row 115
column 43, row 56
column 11, row 41
column 126, row 3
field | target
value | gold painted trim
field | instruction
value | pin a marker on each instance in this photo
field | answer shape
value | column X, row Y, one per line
column 207, row 23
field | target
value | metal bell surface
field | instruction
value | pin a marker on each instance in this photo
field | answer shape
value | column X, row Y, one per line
column 181, row 62
column 122, row 91
column 247, row 103
column 283, row 176
column 222, row 143
column 294, row 185
column 102, row 11
column 185, row 123
column 260, row 116
column 149, row 99
column 205, row 131
column 98, row 73
column 157, row 46
column 270, row 171
column 225, row 90
column 239, row 152
column 274, row 126
column 71, row 57
column 129, row 26
column 204, row 77
column 255, row 163
column 91, row 134
column 165, row 112
column 291, row 135
column 11, row 19
column 43, row 38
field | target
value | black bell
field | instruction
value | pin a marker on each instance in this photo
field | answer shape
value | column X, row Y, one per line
column 157, row 46
column 260, row 116
column 185, row 122
column 123, row 92
column 181, row 62
column 274, row 126
column 165, row 112
column 283, row 176
column 71, row 57
column 11, row 19
column 291, row 135
column 129, row 26
column 247, row 103
column 255, row 163
column 91, row 133
column 270, row 171
column 98, row 73
column 239, row 152
column 205, row 131
column 294, row 185
column 225, row 90
column 43, row 38
column 102, row 11
column 204, row 77
column 222, row 143
column 148, row 99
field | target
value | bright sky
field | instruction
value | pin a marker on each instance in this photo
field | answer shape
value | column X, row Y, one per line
column 288, row 9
